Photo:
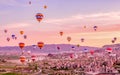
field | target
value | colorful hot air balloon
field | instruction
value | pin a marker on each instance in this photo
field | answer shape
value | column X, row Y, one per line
column 5, row 30
column 21, row 45
column 61, row 33
column 25, row 36
column 40, row 44
column 8, row 39
column 22, row 59
column 39, row 16
column 82, row 39
column 45, row 6
column 33, row 58
column 95, row 28
column 21, row 32
column 69, row 38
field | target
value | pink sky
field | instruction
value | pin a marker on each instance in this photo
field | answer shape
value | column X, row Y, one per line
column 60, row 16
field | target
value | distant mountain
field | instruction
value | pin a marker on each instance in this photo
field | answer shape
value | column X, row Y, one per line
column 49, row 48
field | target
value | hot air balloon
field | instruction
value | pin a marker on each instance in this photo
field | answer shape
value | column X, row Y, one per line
column 82, row 39
column 40, row 44
column 78, row 45
column 25, row 36
column 109, row 50
column 29, row 2
column 69, row 38
column 22, row 59
column 58, row 47
column 29, row 52
column 71, row 55
column 45, row 6
column 8, row 39
column 34, row 46
column 21, row 32
column 21, row 45
column 5, row 31
column 115, row 38
column 84, row 26
column 73, row 48
column 61, row 33
column 13, row 36
column 85, row 50
column 33, row 58
column 39, row 16
column 95, row 28
column 91, row 52
column 113, row 41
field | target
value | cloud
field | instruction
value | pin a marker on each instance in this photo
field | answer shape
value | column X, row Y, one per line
column 16, row 25
column 96, row 18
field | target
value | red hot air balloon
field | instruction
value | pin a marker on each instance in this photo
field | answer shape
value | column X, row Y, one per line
column 8, row 39
column 21, row 45
column 39, row 16
column 109, row 50
column 91, row 52
column 61, row 33
column 33, row 58
column 22, row 59
column 40, row 44
column 71, row 55
column 69, row 39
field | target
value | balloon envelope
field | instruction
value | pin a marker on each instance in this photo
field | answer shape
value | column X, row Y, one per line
column 39, row 16
column 21, row 45
column 40, row 44
column 22, row 59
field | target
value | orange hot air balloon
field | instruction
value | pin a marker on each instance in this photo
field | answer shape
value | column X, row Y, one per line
column 61, row 33
column 45, row 6
column 69, row 39
column 40, row 44
column 22, row 59
column 21, row 32
column 21, row 45
column 39, row 16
